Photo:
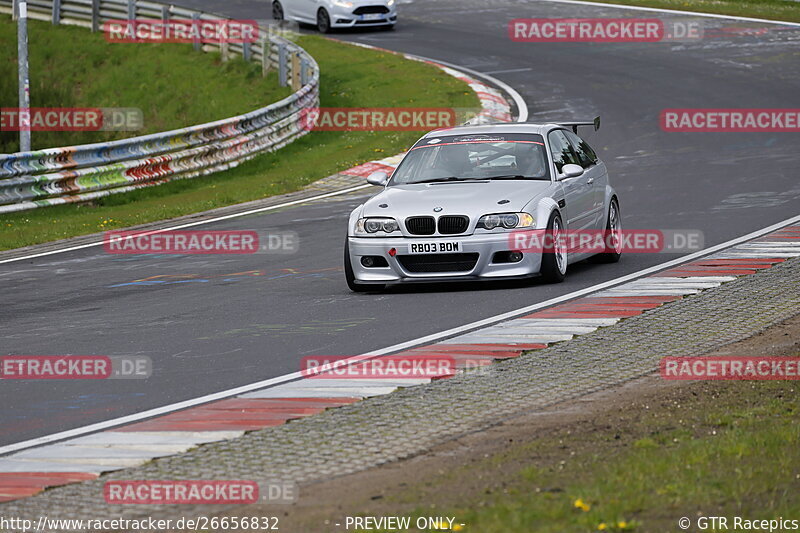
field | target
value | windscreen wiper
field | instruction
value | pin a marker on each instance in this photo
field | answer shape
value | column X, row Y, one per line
column 514, row 177
column 434, row 180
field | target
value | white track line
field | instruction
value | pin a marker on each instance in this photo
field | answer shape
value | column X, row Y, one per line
column 428, row 339
column 675, row 11
column 191, row 224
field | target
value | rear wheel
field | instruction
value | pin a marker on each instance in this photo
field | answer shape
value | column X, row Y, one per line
column 323, row 21
column 350, row 277
column 612, row 237
column 277, row 10
column 554, row 253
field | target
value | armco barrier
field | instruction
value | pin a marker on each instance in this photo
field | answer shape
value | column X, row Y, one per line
column 74, row 174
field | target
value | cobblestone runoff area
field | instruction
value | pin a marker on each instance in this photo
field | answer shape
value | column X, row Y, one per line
column 411, row 420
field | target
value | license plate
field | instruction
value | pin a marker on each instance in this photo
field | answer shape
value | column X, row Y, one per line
column 434, row 247
column 372, row 16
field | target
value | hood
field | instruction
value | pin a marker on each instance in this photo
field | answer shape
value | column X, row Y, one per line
column 472, row 198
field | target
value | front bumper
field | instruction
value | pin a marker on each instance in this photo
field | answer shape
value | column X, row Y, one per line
column 485, row 246
column 343, row 18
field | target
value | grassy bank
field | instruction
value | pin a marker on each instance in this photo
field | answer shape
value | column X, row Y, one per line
column 720, row 459
column 785, row 10
column 351, row 77
column 172, row 85
column 716, row 449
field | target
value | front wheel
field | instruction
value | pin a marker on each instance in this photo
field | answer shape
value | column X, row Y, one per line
column 277, row 10
column 323, row 21
column 612, row 237
column 554, row 252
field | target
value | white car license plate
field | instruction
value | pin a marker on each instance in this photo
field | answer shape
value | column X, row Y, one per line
column 434, row 247
column 372, row 16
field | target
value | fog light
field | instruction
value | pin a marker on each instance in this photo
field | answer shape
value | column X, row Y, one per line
column 374, row 261
column 509, row 256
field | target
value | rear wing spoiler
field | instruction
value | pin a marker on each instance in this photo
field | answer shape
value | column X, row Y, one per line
column 574, row 125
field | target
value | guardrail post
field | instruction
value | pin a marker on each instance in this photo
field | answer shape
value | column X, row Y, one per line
column 14, row 9
column 295, row 71
column 131, row 9
column 303, row 71
column 195, row 18
column 246, row 52
column 282, row 65
column 223, row 49
column 266, row 46
column 95, row 15
column 56, row 12
column 165, row 9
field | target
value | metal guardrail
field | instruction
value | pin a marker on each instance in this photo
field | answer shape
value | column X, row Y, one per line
column 57, row 176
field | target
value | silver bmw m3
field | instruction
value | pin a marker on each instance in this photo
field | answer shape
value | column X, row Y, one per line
column 456, row 206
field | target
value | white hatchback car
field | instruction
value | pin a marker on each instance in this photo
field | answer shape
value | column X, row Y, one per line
column 333, row 14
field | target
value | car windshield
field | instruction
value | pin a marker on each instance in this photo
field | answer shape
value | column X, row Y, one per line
column 469, row 157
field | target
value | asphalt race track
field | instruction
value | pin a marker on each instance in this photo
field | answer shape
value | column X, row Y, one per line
column 211, row 323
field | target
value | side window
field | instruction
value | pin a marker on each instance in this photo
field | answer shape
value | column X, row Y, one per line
column 585, row 153
column 563, row 153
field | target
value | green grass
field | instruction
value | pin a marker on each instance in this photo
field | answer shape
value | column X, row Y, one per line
column 172, row 85
column 734, row 454
column 786, row 10
column 350, row 77
column 752, row 462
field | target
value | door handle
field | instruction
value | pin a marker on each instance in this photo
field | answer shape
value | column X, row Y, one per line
column 590, row 181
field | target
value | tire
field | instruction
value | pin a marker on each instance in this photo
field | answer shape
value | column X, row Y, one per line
column 277, row 10
column 350, row 277
column 554, row 257
column 323, row 21
column 613, row 228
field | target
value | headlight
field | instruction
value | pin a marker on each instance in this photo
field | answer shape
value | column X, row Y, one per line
column 390, row 3
column 343, row 3
column 372, row 225
column 506, row 220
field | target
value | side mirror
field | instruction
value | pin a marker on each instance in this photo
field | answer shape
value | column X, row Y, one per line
column 380, row 178
column 571, row 171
